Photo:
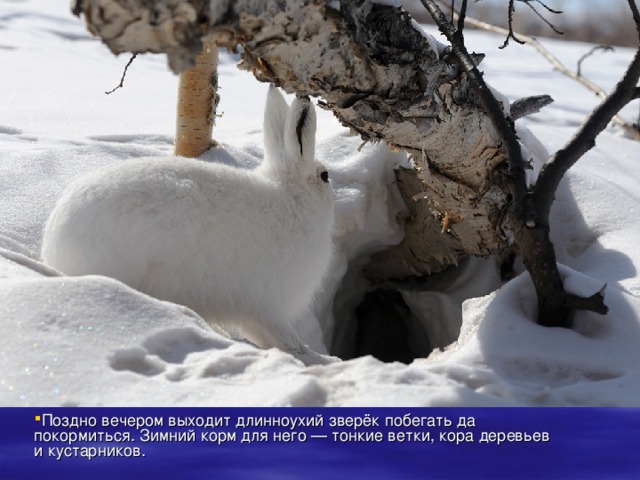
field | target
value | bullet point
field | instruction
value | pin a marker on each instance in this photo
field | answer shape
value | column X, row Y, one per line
column 37, row 418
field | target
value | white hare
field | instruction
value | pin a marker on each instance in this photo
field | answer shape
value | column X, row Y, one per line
column 243, row 248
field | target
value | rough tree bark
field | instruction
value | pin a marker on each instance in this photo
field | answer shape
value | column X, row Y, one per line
column 380, row 76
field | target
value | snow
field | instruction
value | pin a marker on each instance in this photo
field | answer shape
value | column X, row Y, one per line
column 94, row 341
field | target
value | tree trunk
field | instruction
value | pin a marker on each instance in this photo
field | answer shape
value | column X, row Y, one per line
column 197, row 103
column 380, row 75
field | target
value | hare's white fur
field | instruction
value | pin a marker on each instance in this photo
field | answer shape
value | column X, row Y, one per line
column 244, row 248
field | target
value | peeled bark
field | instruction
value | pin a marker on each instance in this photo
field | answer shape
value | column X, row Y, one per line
column 197, row 102
column 380, row 76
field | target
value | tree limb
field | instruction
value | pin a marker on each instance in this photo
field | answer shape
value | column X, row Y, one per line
column 585, row 138
column 532, row 237
column 124, row 74
column 632, row 131
column 606, row 48
column 529, row 220
column 510, row 33
column 594, row 303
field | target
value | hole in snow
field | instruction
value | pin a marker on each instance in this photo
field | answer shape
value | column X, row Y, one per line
column 381, row 324
column 385, row 328
column 402, row 321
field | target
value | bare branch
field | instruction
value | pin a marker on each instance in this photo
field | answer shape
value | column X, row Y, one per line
column 510, row 33
column 584, row 139
column 631, row 130
column 124, row 74
column 461, row 17
column 606, row 48
column 594, row 303
column 539, row 15
column 544, row 5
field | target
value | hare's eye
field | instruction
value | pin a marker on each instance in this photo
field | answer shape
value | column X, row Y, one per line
column 324, row 176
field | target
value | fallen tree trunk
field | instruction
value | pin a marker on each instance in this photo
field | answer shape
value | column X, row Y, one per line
column 380, row 75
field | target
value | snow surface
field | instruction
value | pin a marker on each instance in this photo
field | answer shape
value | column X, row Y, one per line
column 94, row 341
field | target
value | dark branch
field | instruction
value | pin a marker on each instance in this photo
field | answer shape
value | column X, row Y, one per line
column 630, row 129
column 539, row 15
column 461, row 19
column 544, row 5
column 594, row 303
column 531, row 4
column 124, row 74
column 511, row 10
column 606, row 48
column 585, row 138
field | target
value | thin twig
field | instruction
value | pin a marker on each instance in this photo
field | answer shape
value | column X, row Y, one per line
column 124, row 74
column 510, row 33
column 606, row 48
column 546, row 7
column 631, row 130
column 539, row 15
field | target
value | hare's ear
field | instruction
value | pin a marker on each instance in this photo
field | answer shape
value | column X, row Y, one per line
column 275, row 117
column 300, row 130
